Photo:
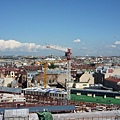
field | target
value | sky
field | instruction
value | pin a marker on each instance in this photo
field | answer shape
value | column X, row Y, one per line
column 87, row 27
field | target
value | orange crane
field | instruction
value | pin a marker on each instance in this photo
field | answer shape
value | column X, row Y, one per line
column 67, row 54
column 44, row 63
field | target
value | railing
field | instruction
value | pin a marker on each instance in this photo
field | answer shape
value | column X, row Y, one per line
column 89, row 118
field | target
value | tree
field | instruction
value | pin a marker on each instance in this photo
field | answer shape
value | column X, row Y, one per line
column 51, row 66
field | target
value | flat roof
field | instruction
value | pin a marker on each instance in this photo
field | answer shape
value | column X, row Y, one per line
column 42, row 108
column 96, row 90
column 9, row 90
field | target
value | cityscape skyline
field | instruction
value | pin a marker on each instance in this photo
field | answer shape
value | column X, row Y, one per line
column 88, row 27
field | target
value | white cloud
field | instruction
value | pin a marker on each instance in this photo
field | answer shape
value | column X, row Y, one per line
column 77, row 40
column 13, row 45
column 113, row 46
column 10, row 44
column 117, row 43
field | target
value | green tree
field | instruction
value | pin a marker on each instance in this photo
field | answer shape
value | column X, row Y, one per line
column 51, row 66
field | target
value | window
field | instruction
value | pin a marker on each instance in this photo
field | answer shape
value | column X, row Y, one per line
column 78, row 93
column 117, row 97
column 49, row 81
column 89, row 94
column 104, row 96
column 93, row 95
column 56, row 95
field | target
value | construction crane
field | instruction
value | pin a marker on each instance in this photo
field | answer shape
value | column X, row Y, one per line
column 66, row 50
column 67, row 54
column 45, row 64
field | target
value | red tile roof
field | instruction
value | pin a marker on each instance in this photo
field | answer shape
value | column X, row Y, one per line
column 113, row 79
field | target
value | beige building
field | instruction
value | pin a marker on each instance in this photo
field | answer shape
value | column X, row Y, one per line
column 112, row 72
column 87, row 78
column 62, row 79
column 7, row 81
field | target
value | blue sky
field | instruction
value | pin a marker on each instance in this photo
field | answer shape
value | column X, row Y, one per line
column 88, row 27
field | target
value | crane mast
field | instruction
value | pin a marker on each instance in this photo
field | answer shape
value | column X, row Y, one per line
column 45, row 76
column 67, row 54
